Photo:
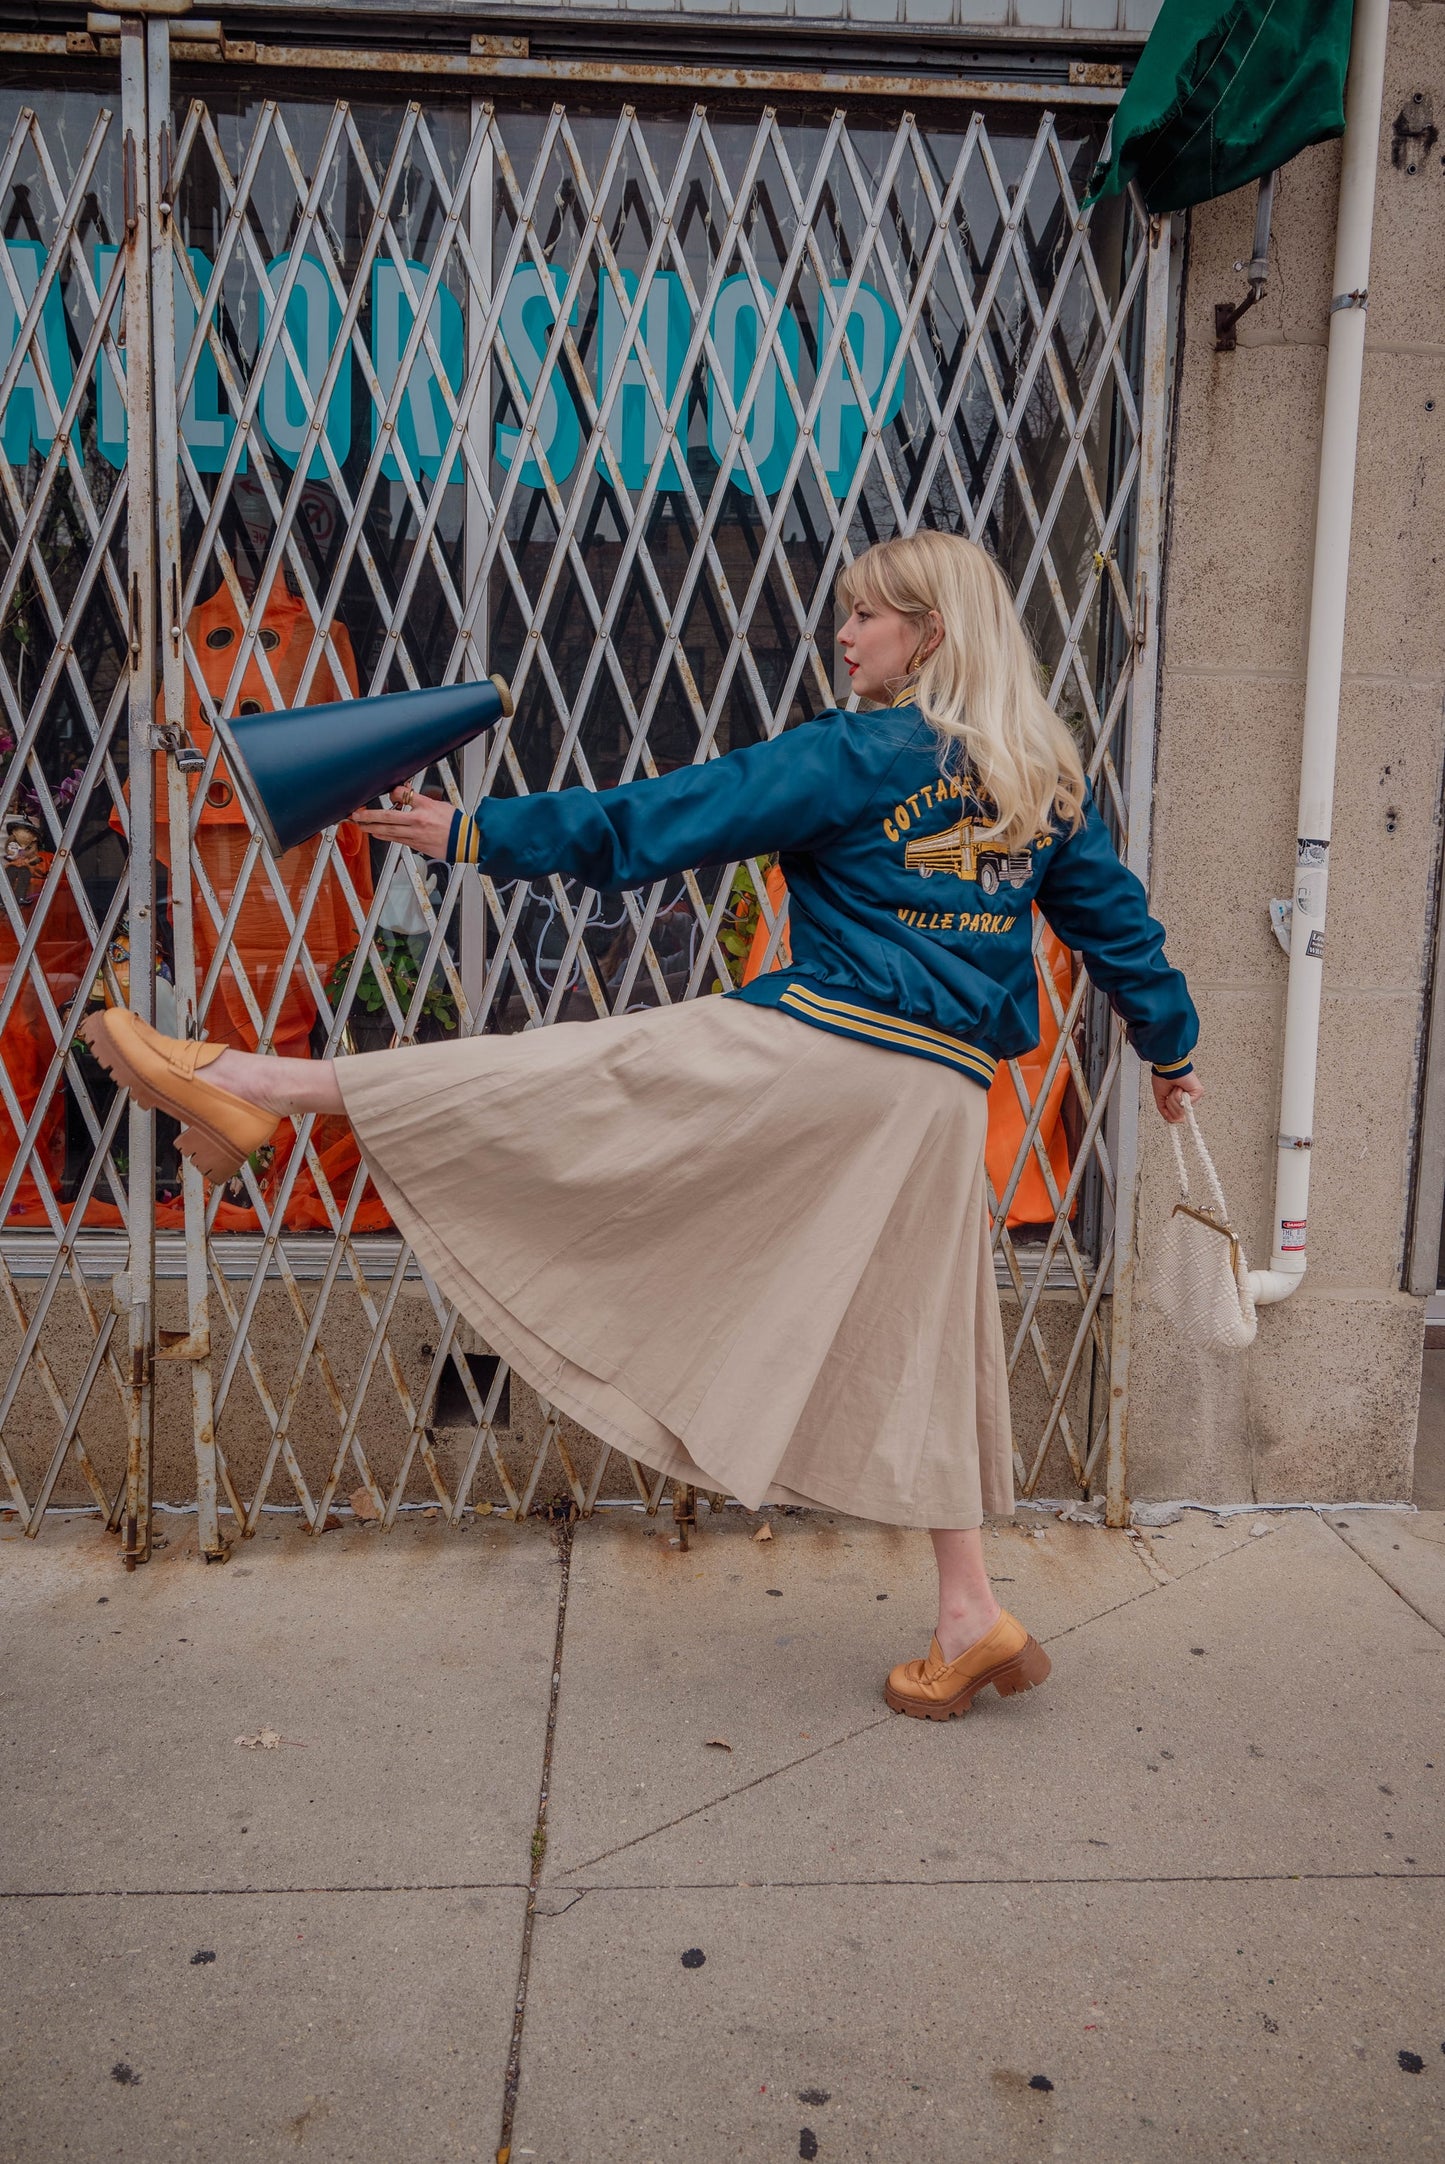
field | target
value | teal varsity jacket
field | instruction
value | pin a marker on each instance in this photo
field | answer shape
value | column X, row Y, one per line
column 909, row 928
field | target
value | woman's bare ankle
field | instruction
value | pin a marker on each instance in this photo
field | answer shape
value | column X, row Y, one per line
column 291, row 1088
column 961, row 1628
column 243, row 1075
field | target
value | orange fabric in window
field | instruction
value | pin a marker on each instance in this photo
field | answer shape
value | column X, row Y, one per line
column 28, row 1047
column 776, row 888
column 1030, row 1205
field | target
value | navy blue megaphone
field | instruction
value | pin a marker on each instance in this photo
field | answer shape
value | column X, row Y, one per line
column 309, row 766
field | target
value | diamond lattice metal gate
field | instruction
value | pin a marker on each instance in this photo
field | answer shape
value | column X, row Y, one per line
column 77, row 618
column 602, row 398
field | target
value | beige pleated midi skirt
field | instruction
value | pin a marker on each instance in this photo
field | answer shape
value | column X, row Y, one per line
column 747, row 1252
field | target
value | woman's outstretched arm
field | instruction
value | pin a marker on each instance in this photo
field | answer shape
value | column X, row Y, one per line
column 791, row 792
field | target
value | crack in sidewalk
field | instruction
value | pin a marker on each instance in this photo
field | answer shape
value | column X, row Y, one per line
column 933, row 1885
column 531, row 1885
column 1342, row 1534
column 804, row 1758
column 1159, row 1581
column 260, row 1893
column 512, row 2080
column 571, row 1896
column 728, row 1794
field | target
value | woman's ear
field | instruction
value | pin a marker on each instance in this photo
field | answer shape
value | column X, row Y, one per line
column 931, row 641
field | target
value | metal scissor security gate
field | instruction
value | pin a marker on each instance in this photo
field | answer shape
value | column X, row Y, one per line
column 301, row 398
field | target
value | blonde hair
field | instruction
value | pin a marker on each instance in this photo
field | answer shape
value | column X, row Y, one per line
column 979, row 688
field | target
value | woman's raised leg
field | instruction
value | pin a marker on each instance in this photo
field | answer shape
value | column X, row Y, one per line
column 292, row 1086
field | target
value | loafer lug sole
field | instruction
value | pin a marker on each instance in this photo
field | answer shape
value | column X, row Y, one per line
column 1025, row 1671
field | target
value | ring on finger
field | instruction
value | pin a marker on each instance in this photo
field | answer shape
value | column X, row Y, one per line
column 405, row 797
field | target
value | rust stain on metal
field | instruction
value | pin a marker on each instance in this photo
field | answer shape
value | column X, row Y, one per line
column 1096, row 74
column 510, row 60
column 183, row 1344
column 45, row 46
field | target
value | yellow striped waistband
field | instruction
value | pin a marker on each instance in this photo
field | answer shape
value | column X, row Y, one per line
column 890, row 1029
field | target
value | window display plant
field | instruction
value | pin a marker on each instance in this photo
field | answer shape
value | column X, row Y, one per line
column 400, row 957
column 739, row 924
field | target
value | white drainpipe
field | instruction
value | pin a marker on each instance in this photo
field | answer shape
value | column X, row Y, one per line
column 1339, row 436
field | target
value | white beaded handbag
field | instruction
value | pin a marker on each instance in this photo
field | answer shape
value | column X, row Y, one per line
column 1196, row 1272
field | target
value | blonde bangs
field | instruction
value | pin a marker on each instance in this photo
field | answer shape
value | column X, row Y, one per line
column 866, row 579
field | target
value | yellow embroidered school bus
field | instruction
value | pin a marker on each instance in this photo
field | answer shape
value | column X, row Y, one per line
column 958, row 850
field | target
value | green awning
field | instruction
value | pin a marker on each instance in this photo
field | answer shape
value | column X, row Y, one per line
column 1226, row 90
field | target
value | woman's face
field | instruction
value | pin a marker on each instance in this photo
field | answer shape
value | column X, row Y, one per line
column 880, row 647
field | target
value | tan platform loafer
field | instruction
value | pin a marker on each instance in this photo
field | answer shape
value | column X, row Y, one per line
column 935, row 1689
column 218, row 1131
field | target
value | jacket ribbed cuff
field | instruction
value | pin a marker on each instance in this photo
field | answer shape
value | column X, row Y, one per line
column 464, row 840
column 1171, row 1070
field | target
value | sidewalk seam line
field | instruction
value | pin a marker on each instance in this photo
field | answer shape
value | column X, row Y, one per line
column 1145, row 1592
column 1342, row 1535
column 268, row 1893
column 928, row 1885
column 258, row 1893
column 1173, row 1578
column 880, row 1720
column 791, row 1765
column 513, row 2076
column 1132, row 1600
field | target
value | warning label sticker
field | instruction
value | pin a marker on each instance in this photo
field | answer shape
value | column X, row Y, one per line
column 1291, row 1233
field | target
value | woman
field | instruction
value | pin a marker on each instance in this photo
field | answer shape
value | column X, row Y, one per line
column 746, row 1240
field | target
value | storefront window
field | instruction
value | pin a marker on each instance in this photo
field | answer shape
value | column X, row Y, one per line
column 674, row 368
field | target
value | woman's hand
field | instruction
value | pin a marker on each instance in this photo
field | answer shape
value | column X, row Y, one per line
column 1173, row 1092
column 424, row 823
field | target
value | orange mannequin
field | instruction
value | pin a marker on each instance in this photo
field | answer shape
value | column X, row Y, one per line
column 259, row 937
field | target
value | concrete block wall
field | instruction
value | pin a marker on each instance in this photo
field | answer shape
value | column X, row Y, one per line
column 1324, row 1405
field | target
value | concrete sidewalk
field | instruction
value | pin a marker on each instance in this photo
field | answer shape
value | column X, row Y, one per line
column 692, row 1887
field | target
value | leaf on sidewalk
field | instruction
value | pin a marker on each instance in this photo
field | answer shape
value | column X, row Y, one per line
column 764, row 1532
column 270, row 1739
column 717, row 1743
column 362, row 1506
